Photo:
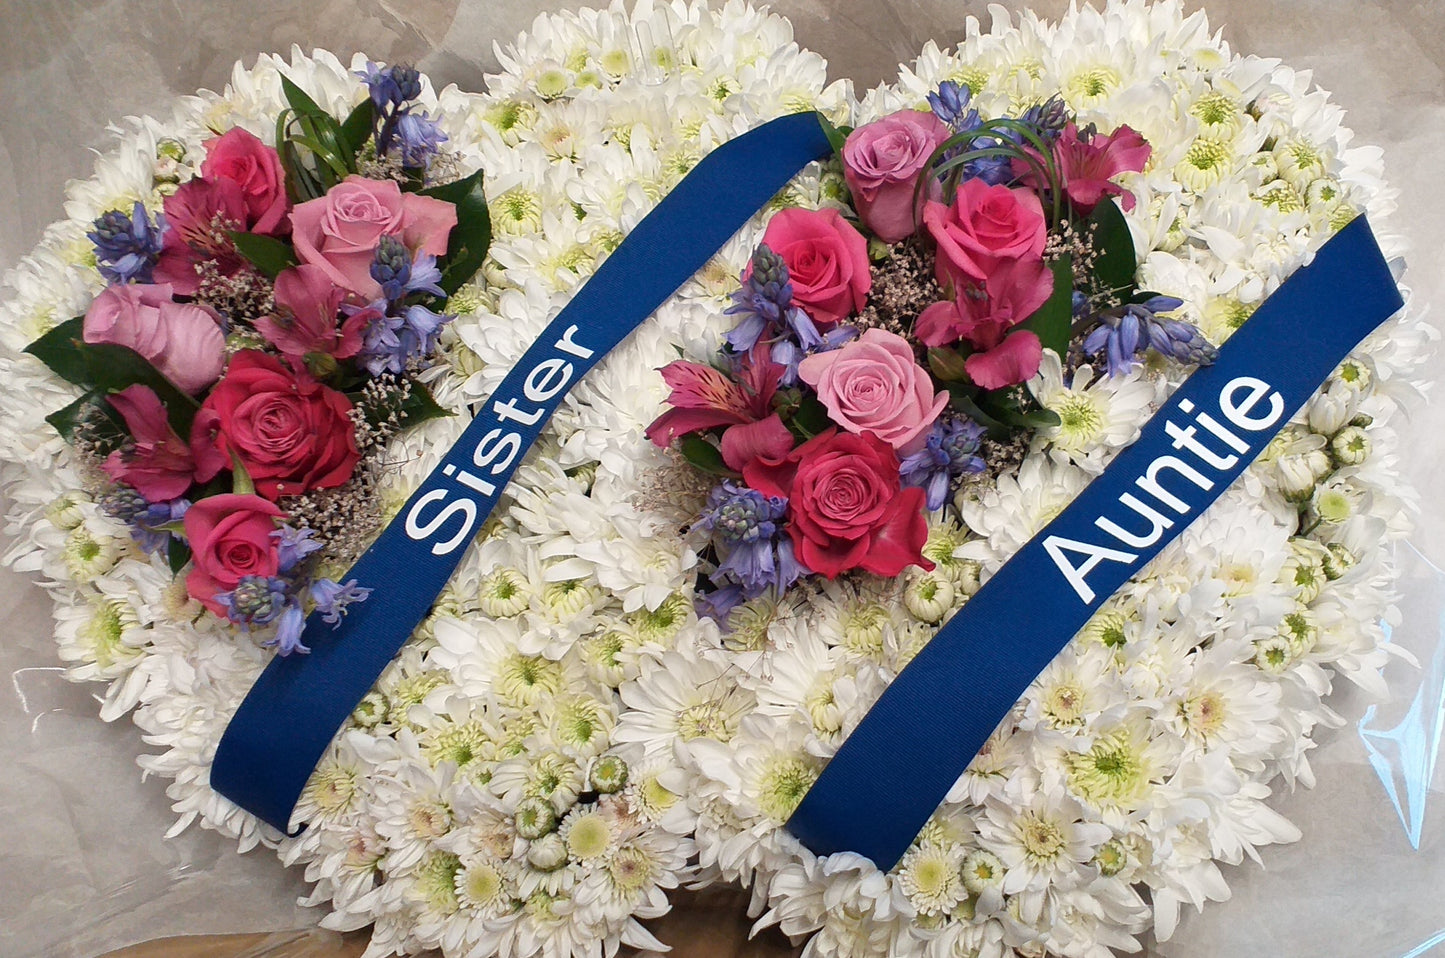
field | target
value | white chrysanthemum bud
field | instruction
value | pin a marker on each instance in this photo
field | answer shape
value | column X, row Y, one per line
column 568, row 598
column 370, row 711
column 1264, row 166
column 609, row 774
column 534, row 818
column 88, row 554
column 503, row 593
column 929, row 596
column 1324, row 194
column 1300, row 630
column 1280, row 195
column 64, row 513
column 1338, row 561
column 1106, row 628
column 1111, row 858
column 1332, row 409
column 982, row 870
column 1332, row 504
column 547, row 853
column 1300, row 162
column 1351, row 446
column 1273, row 654
column 1304, row 569
column 1354, row 374
column 1219, row 115
column 1207, row 162
column 1296, row 478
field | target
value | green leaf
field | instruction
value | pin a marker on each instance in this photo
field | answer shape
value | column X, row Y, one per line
column 947, row 364
column 809, row 419
column 420, row 406
column 113, row 368
column 241, row 482
column 1053, row 321
column 837, row 136
column 65, row 420
column 471, row 237
column 297, row 99
column 63, row 350
column 963, row 399
column 704, row 455
column 268, row 254
column 1003, row 407
column 178, row 553
column 1115, row 261
column 357, row 127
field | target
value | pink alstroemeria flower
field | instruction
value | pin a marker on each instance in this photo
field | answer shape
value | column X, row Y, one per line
column 1089, row 164
column 703, row 398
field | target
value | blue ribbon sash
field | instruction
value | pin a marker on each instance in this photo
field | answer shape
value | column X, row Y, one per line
column 889, row 776
column 288, row 719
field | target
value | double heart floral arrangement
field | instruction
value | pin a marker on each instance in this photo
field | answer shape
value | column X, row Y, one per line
column 259, row 340
column 230, row 366
column 869, row 376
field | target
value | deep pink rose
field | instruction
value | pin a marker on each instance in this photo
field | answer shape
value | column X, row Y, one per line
column 339, row 231
column 306, row 319
column 158, row 464
column 183, row 341
column 240, row 157
column 873, row 385
column 827, row 261
column 882, row 161
column 982, row 227
column 984, row 313
column 198, row 215
column 230, row 538
column 291, row 433
column 846, row 506
column 1089, row 164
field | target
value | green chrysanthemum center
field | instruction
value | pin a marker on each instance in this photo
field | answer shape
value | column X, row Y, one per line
column 706, row 720
column 1079, row 417
column 1093, row 83
column 332, row 788
column 588, row 837
column 783, row 786
column 462, row 745
column 1112, row 772
column 436, row 880
column 1042, row 839
column 527, row 678
column 1216, row 109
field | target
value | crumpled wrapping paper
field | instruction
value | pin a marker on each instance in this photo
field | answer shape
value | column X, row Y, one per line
column 86, row 867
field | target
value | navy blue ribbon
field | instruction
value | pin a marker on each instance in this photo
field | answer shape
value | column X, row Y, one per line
column 288, row 719
column 887, row 778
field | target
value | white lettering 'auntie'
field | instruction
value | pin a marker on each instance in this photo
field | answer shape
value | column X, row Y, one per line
column 1163, row 480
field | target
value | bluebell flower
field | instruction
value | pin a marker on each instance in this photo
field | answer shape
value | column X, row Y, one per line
column 389, row 341
column 426, row 276
column 293, row 545
column 127, row 247
column 1124, row 333
column 763, row 300
column 391, row 86
column 288, row 631
column 719, row 603
column 145, row 519
column 256, row 600
column 951, row 451
column 788, row 353
column 391, row 266
column 747, row 529
column 1048, row 118
column 419, row 138
column 950, row 103
column 332, row 598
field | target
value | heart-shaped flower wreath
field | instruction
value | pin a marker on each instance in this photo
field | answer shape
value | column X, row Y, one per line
column 703, row 578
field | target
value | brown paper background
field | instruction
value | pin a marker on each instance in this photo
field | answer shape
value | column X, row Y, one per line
column 84, row 869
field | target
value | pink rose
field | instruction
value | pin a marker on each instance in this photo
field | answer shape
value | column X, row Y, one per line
column 847, row 508
column 158, row 464
column 873, row 385
column 198, row 215
column 306, row 316
column 240, row 157
column 230, row 538
column 983, row 313
column 339, row 231
column 183, row 341
column 982, row 227
column 882, row 161
column 827, row 261
column 1089, row 164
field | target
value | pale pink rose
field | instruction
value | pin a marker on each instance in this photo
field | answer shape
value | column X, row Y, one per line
column 339, row 232
column 882, row 161
column 873, row 385
column 984, row 226
column 183, row 341
column 239, row 156
column 827, row 262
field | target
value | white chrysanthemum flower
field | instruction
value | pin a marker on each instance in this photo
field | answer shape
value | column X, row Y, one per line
column 1097, row 417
